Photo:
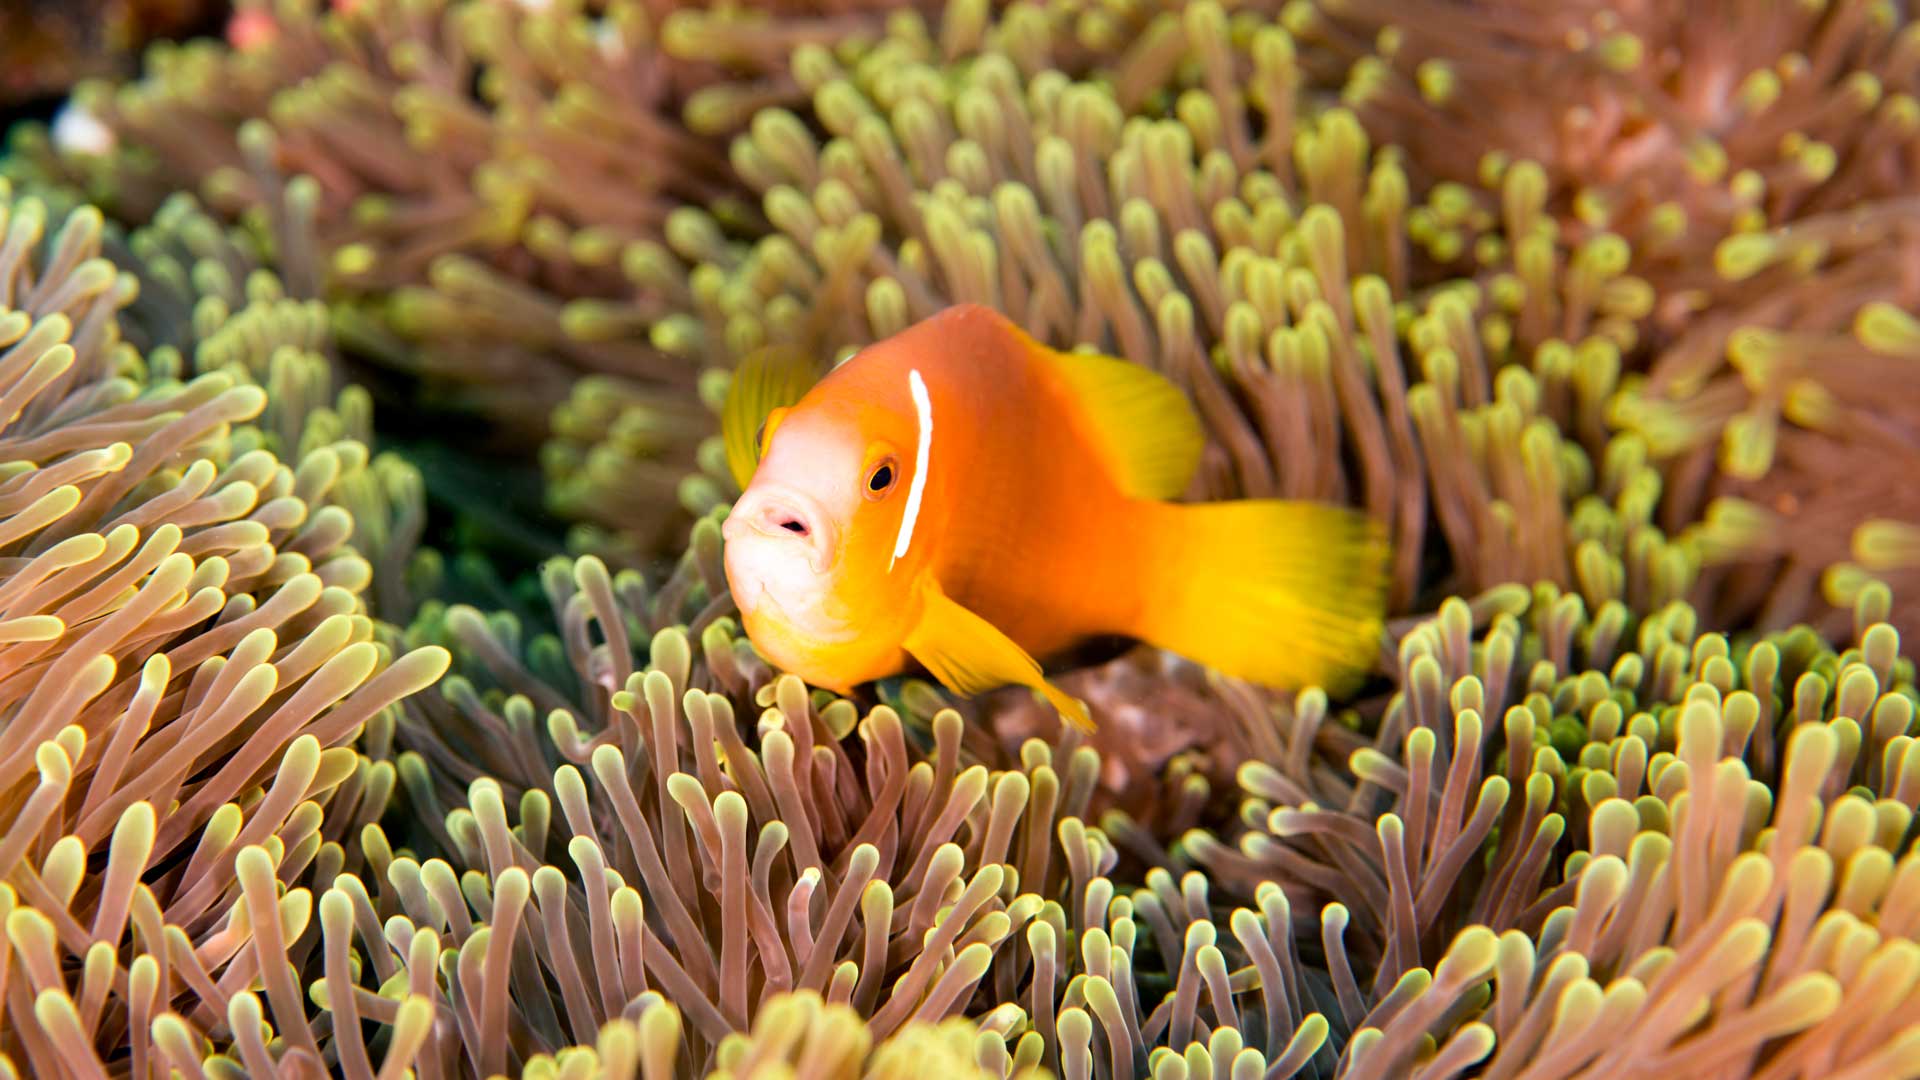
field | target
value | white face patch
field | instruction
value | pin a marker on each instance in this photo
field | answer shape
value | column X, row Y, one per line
column 923, row 409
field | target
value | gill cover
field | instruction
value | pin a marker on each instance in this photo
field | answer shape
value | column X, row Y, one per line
column 767, row 383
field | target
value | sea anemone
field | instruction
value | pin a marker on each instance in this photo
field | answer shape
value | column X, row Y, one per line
column 861, row 847
column 1755, row 161
column 1433, row 904
column 425, row 201
column 189, row 670
column 1617, row 360
column 1659, row 819
column 1256, row 253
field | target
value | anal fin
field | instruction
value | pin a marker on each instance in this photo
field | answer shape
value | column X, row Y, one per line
column 969, row 655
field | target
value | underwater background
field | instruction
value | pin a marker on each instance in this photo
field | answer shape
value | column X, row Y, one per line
column 371, row 699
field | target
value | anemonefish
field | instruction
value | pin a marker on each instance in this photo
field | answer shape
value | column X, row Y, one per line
column 964, row 497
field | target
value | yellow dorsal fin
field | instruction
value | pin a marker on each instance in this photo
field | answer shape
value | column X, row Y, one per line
column 767, row 382
column 1142, row 425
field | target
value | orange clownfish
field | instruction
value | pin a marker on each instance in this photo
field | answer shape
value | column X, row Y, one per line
column 963, row 496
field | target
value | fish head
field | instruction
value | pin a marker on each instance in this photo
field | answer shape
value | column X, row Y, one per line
column 811, row 544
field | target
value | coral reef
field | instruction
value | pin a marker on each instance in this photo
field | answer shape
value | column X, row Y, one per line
column 318, row 757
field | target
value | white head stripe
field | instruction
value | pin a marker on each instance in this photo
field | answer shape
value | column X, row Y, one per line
column 923, row 408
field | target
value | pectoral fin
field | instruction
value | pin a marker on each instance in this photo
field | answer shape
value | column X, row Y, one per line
column 969, row 655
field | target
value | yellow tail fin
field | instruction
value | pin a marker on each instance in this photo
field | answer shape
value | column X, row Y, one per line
column 1287, row 594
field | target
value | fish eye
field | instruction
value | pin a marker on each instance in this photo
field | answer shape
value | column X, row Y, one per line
column 881, row 479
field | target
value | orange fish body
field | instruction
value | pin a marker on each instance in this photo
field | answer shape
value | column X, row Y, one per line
column 962, row 496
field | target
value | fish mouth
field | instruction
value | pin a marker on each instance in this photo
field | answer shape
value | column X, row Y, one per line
column 786, row 517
